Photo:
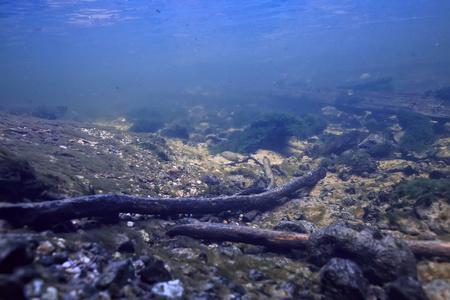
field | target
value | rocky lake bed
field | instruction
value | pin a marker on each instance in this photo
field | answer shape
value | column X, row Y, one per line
column 377, row 192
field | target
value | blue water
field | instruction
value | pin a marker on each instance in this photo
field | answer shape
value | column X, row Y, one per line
column 109, row 56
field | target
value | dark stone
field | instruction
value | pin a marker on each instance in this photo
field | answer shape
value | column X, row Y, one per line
column 60, row 257
column 94, row 249
column 237, row 288
column 350, row 190
column 371, row 213
column 296, row 226
column 409, row 170
column 126, row 247
column 372, row 195
column 384, row 196
column 250, row 215
column 349, row 201
column 405, row 288
column 11, row 288
column 14, row 253
column 382, row 257
column 146, row 259
column 256, row 275
column 343, row 279
column 344, row 176
column 46, row 260
column 437, row 174
column 118, row 272
column 155, row 272
column 210, row 179
column 203, row 256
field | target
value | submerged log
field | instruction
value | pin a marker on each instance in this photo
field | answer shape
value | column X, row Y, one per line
column 242, row 234
column 282, row 239
column 41, row 215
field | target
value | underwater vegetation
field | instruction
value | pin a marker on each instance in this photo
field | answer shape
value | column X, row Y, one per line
column 147, row 125
column 418, row 129
column 154, row 149
column 271, row 132
column 423, row 191
column 145, row 120
column 49, row 112
column 176, row 131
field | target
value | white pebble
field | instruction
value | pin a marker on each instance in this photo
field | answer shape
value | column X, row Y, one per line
column 67, row 264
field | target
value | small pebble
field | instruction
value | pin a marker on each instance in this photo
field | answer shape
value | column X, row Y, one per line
column 51, row 293
column 45, row 247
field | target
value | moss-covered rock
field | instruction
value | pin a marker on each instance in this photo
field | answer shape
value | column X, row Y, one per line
column 18, row 180
column 358, row 162
column 154, row 149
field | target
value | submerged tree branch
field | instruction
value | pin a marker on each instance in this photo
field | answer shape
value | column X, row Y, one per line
column 43, row 214
column 242, row 234
column 282, row 239
column 268, row 172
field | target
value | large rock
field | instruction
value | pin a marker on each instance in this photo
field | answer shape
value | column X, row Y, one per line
column 342, row 278
column 118, row 272
column 382, row 257
column 155, row 272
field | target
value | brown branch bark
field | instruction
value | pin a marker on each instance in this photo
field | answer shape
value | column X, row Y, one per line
column 281, row 239
column 268, row 172
column 242, row 234
column 429, row 248
column 42, row 214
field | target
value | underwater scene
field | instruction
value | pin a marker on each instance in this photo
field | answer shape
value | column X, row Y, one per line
column 224, row 149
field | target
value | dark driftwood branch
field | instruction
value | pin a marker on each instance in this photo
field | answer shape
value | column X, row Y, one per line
column 43, row 214
column 281, row 239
